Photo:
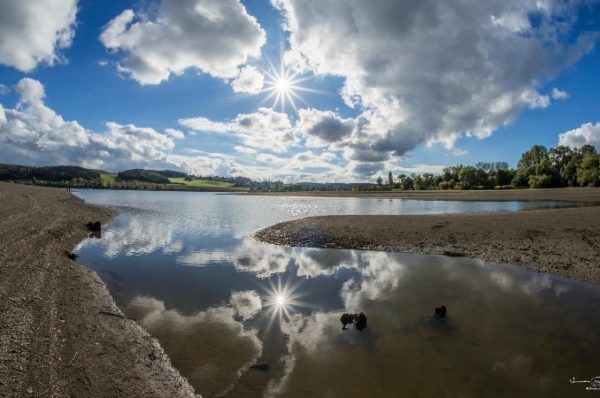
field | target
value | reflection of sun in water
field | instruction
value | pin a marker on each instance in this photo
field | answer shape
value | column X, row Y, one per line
column 283, row 87
column 281, row 300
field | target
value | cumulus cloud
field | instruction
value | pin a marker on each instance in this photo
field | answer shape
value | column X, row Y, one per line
column 4, row 89
column 324, row 127
column 425, row 72
column 34, row 31
column 249, row 80
column 587, row 133
column 265, row 128
column 174, row 133
column 212, row 36
column 33, row 133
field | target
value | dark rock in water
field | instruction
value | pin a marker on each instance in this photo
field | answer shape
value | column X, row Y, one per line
column 260, row 366
column 71, row 255
column 346, row 319
column 94, row 226
column 361, row 321
column 440, row 312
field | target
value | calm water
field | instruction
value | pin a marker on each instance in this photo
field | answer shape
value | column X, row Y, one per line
column 185, row 267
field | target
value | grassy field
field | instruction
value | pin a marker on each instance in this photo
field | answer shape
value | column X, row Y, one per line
column 108, row 178
column 201, row 183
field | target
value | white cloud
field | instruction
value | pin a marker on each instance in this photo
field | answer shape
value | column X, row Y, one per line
column 265, row 129
column 32, row 133
column 178, row 134
column 249, row 80
column 459, row 152
column 587, row 133
column 558, row 94
column 424, row 72
column 244, row 149
column 212, row 36
column 4, row 89
column 33, row 31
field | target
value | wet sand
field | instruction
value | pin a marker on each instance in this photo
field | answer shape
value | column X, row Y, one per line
column 562, row 241
column 61, row 334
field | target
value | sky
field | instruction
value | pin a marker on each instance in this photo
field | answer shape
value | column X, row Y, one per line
column 295, row 90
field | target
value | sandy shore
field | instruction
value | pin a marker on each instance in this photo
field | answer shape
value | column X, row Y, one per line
column 61, row 333
column 563, row 242
column 569, row 194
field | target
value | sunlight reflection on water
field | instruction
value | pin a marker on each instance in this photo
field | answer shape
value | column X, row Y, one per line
column 184, row 266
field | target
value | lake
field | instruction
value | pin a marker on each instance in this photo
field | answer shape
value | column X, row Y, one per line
column 185, row 266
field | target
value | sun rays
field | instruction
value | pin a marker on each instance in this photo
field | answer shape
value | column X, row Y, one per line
column 283, row 86
column 282, row 300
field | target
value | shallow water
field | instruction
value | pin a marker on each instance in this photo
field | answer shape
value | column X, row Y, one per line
column 185, row 267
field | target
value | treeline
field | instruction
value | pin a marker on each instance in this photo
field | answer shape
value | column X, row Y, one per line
column 52, row 175
column 539, row 167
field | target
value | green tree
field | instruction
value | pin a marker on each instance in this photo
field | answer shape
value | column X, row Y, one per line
column 534, row 162
column 587, row 172
column 390, row 179
column 379, row 181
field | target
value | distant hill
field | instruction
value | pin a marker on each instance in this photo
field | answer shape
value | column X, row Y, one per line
column 75, row 176
column 143, row 175
column 47, row 173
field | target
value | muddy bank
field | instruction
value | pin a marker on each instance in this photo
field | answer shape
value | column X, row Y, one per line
column 569, row 194
column 563, row 242
column 61, row 334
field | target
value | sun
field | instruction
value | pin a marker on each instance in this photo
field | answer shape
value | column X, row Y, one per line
column 284, row 87
column 280, row 300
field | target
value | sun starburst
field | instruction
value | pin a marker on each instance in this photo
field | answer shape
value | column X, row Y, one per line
column 282, row 300
column 284, row 86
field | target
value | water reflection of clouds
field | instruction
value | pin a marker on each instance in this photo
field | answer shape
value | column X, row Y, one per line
column 246, row 304
column 536, row 283
column 217, row 336
column 380, row 275
column 136, row 236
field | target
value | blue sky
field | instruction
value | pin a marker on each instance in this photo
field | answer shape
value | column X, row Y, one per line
column 386, row 86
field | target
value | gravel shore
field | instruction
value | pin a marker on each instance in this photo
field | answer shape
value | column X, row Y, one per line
column 61, row 333
column 562, row 241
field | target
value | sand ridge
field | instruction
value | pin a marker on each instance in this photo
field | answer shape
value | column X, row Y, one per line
column 561, row 241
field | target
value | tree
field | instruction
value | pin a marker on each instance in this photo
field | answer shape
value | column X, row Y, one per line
column 588, row 170
column 390, row 179
column 379, row 181
column 534, row 162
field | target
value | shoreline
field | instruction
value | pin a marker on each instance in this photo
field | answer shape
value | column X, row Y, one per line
column 578, row 194
column 560, row 241
column 61, row 333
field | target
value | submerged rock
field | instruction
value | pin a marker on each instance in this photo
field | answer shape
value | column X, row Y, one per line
column 359, row 320
column 440, row 312
column 94, row 226
column 263, row 366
